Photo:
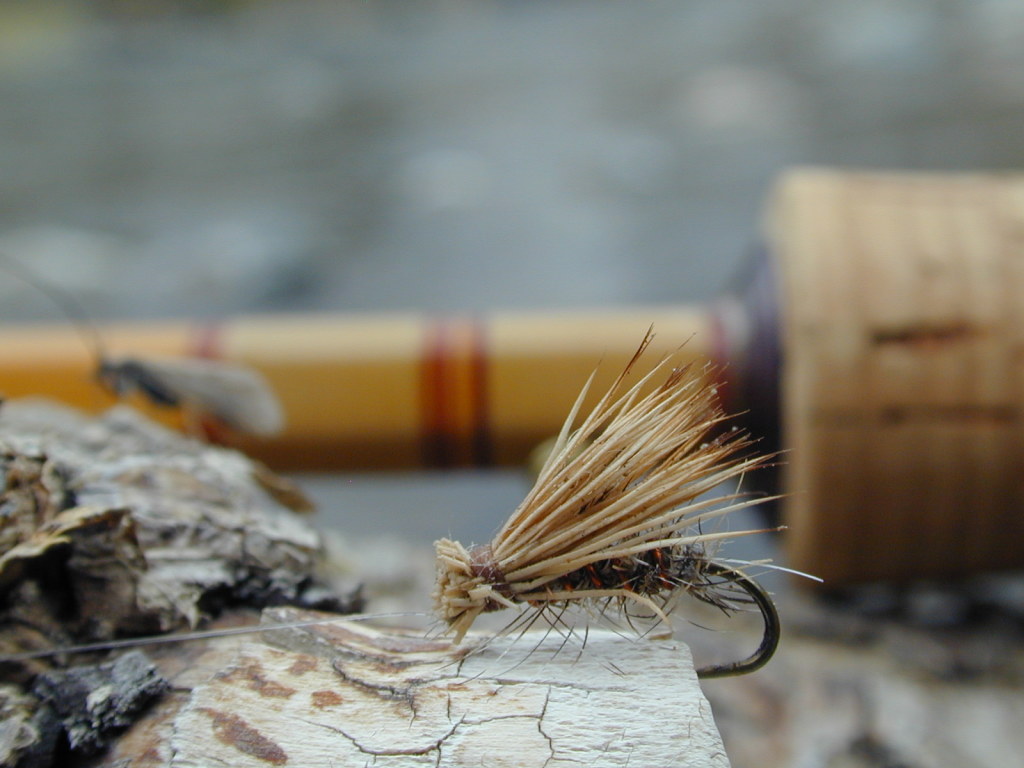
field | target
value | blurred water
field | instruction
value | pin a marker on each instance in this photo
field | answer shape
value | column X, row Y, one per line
column 463, row 155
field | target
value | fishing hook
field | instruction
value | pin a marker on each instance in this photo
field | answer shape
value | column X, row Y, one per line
column 772, row 626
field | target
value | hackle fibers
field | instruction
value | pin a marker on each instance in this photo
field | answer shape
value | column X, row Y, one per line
column 615, row 515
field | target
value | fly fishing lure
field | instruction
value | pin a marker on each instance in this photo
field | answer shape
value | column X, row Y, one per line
column 233, row 395
column 614, row 518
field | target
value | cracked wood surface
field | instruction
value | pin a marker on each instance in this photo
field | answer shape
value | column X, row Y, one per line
column 350, row 695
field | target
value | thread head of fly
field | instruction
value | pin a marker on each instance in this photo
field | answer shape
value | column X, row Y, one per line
column 469, row 582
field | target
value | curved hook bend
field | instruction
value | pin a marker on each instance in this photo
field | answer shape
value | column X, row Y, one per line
column 772, row 626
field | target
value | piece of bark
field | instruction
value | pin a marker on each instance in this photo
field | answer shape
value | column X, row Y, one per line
column 138, row 529
column 92, row 702
column 346, row 694
column 28, row 732
column 113, row 527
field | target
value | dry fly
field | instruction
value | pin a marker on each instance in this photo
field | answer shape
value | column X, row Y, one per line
column 233, row 395
column 615, row 517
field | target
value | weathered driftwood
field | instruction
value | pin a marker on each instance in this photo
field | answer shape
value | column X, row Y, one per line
column 346, row 694
column 151, row 526
column 116, row 526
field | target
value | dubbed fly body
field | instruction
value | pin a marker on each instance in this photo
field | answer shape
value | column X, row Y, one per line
column 616, row 517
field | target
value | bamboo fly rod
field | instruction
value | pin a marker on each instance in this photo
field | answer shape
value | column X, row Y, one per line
column 377, row 391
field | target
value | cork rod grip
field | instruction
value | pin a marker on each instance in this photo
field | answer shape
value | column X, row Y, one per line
column 903, row 378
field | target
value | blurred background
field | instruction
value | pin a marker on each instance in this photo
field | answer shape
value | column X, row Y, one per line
column 207, row 159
